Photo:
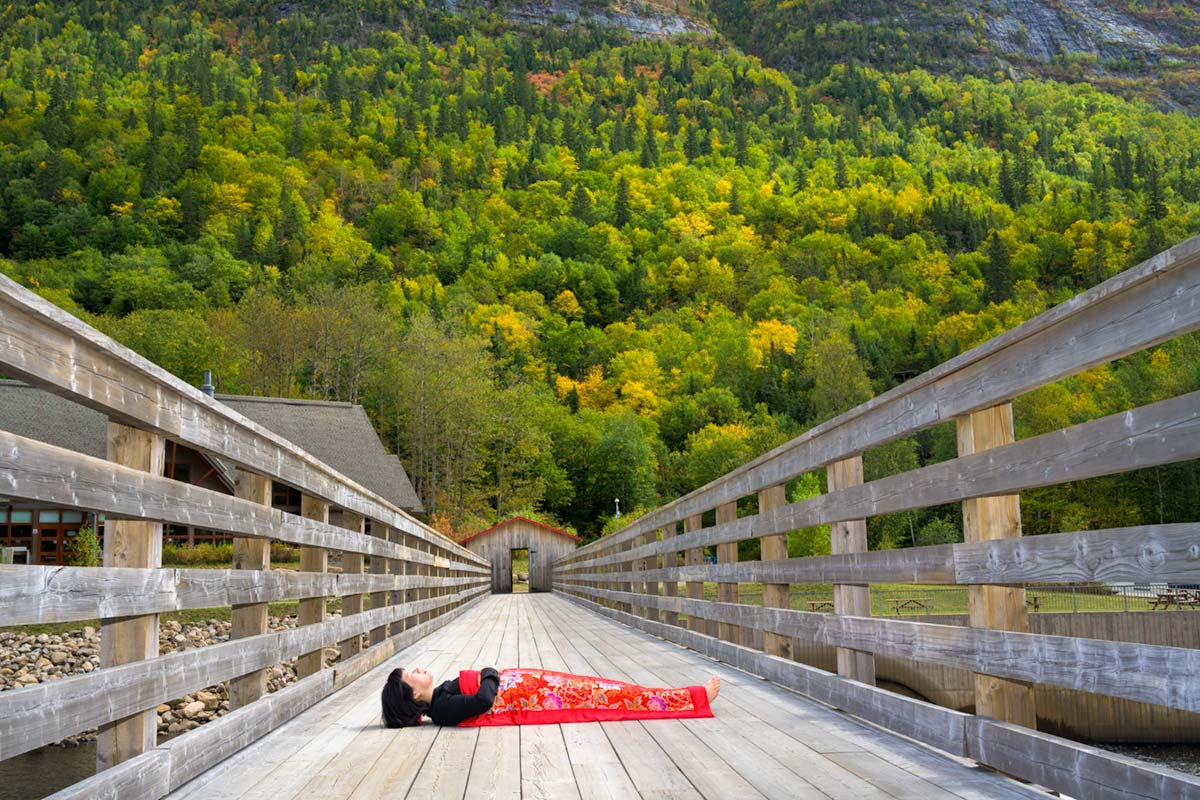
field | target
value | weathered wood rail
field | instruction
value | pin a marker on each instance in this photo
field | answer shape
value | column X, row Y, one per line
column 418, row 579
column 634, row 574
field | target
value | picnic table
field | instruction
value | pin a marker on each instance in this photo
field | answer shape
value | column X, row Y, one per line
column 820, row 605
column 1175, row 598
column 901, row 603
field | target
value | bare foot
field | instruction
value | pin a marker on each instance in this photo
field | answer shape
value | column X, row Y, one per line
column 712, row 687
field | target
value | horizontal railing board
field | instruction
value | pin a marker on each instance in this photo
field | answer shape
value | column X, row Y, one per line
column 33, row 470
column 1160, row 433
column 1145, row 554
column 1074, row 769
column 47, row 712
column 1085, row 771
column 175, row 762
column 52, row 349
column 1143, row 306
column 1145, row 672
column 940, row 727
column 211, row 743
column 144, row 776
column 41, row 594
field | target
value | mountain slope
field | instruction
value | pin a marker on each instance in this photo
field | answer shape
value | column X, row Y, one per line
column 1151, row 50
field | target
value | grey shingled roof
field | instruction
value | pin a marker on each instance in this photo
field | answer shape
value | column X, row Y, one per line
column 340, row 434
column 38, row 414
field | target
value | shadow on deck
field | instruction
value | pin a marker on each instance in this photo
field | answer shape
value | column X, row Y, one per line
column 764, row 741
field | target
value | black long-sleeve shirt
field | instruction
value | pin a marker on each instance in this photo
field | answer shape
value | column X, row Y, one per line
column 449, row 706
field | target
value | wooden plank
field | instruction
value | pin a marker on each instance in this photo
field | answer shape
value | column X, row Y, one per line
column 667, row 574
column 894, row 782
column 693, row 556
column 995, row 607
column 705, row 767
column 727, row 591
column 311, row 610
column 744, row 759
column 213, row 742
column 32, row 594
column 55, row 476
column 774, row 548
column 47, row 712
column 641, row 760
column 1076, row 770
column 143, row 775
column 379, row 566
column 1143, row 554
column 1146, row 673
column 1141, row 307
column 925, row 722
column 250, row 619
column 130, row 639
column 235, row 774
column 1151, row 435
column 854, row 599
column 352, row 564
column 52, row 349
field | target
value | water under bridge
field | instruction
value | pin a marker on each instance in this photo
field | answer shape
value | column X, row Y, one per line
column 630, row 606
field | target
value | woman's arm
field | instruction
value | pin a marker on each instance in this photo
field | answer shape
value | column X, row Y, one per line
column 453, row 709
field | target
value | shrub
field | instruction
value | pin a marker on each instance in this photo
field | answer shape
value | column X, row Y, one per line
column 85, row 548
column 282, row 552
column 182, row 555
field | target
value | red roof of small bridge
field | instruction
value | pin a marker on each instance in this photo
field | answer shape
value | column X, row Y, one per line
column 521, row 519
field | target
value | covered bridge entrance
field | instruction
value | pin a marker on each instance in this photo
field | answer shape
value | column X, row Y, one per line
column 544, row 543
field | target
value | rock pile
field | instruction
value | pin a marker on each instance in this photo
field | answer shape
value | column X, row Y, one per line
column 28, row 659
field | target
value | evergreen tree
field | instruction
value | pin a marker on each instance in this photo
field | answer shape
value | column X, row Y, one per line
column 621, row 204
column 998, row 271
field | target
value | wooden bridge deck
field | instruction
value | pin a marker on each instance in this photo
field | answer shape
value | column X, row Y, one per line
column 764, row 741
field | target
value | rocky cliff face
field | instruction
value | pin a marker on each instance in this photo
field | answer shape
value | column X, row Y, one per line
column 641, row 18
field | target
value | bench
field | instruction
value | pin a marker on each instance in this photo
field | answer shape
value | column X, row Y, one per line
column 820, row 605
column 901, row 603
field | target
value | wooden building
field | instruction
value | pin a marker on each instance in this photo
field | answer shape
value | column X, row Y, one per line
column 544, row 543
column 340, row 434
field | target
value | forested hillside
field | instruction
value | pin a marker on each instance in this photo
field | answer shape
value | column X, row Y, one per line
column 560, row 266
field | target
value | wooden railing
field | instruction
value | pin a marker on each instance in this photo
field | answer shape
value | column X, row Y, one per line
column 621, row 574
column 146, row 407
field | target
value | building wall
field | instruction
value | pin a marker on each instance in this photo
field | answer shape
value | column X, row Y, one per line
column 544, row 548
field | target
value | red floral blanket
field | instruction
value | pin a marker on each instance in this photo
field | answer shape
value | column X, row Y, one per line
column 542, row 696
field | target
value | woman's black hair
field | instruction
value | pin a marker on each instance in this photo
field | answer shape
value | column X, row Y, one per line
column 400, row 710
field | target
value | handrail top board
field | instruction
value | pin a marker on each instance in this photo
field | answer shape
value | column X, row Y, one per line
column 51, row 354
column 740, row 481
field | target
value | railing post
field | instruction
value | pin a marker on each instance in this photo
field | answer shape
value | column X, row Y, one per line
column 670, row 560
column 774, row 548
column 250, row 619
column 851, row 599
column 312, row 609
column 129, row 543
column 379, row 566
column 694, row 557
column 352, row 564
column 728, row 554
column 425, row 571
column 995, row 607
column 638, row 565
column 625, row 566
column 398, row 596
column 650, row 587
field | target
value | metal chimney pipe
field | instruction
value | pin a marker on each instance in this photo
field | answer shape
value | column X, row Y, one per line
column 208, row 387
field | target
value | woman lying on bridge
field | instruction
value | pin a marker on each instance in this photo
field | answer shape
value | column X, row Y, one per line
column 533, row 697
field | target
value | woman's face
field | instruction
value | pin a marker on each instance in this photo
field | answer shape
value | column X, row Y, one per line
column 421, row 680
